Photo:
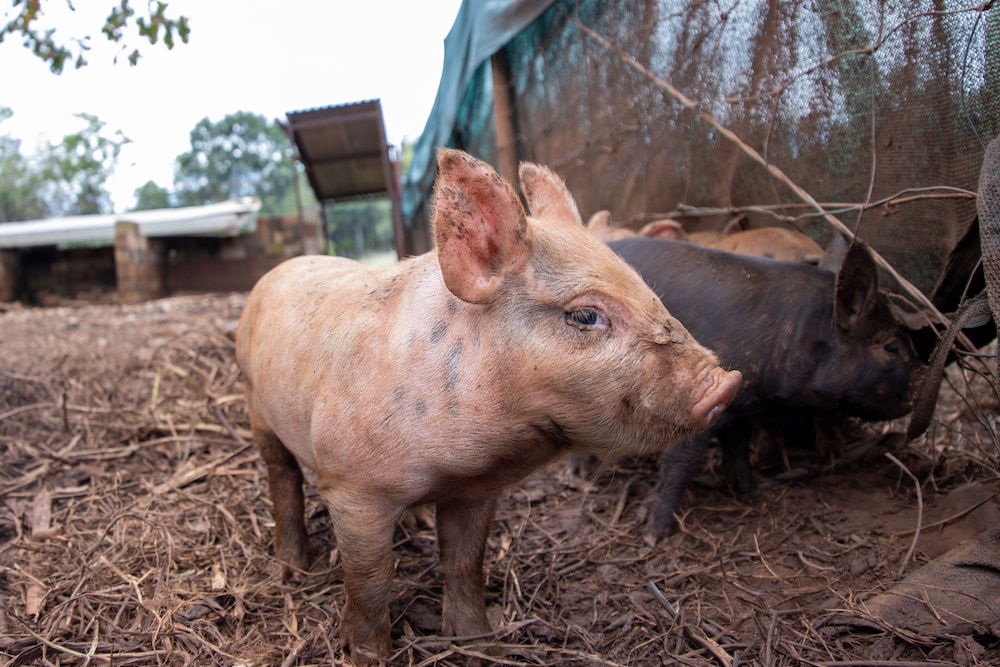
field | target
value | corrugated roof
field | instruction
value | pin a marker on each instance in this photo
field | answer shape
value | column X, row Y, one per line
column 343, row 149
column 229, row 218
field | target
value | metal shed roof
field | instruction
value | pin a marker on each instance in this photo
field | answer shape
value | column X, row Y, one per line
column 229, row 218
column 343, row 148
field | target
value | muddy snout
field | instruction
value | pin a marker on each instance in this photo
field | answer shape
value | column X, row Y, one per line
column 719, row 392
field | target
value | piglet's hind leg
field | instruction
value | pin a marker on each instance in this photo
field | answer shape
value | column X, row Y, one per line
column 284, row 479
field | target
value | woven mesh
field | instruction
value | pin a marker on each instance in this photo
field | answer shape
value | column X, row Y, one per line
column 826, row 90
column 989, row 226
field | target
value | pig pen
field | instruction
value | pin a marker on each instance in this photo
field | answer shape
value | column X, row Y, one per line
column 135, row 528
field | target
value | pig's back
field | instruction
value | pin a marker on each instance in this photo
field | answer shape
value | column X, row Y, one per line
column 709, row 287
column 292, row 296
column 755, row 313
column 302, row 325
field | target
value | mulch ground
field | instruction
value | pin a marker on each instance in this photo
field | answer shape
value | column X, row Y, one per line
column 135, row 528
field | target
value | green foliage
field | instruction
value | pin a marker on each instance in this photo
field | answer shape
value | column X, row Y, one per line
column 241, row 155
column 67, row 177
column 23, row 18
column 20, row 182
column 77, row 168
column 405, row 157
column 359, row 227
column 150, row 195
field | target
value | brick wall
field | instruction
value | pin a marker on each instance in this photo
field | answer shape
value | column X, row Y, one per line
column 139, row 263
column 141, row 268
column 10, row 270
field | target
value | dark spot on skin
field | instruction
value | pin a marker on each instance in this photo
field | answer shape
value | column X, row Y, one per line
column 452, row 306
column 438, row 331
column 420, row 407
column 411, row 337
column 451, row 362
column 451, row 407
column 398, row 397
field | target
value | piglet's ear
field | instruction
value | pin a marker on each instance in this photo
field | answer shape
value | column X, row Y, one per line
column 664, row 229
column 857, row 288
column 547, row 196
column 833, row 257
column 479, row 227
column 599, row 223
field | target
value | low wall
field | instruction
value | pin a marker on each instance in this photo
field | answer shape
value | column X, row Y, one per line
column 139, row 268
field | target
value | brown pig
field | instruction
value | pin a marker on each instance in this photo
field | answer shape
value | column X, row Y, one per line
column 601, row 227
column 778, row 243
column 448, row 376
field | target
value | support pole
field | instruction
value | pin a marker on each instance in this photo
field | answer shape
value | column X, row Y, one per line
column 503, row 117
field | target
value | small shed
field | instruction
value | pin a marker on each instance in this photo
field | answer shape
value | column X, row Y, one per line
column 345, row 154
column 145, row 254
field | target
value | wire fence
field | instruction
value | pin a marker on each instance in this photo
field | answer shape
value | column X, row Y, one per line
column 875, row 111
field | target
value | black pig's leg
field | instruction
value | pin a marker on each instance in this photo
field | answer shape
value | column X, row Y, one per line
column 677, row 465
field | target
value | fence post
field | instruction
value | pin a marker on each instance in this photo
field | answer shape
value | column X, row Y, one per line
column 503, row 117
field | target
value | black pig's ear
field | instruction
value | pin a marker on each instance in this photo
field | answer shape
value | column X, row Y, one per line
column 479, row 227
column 856, row 288
column 833, row 256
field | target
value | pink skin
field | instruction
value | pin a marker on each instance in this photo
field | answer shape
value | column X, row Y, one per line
column 601, row 227
column 448, row 376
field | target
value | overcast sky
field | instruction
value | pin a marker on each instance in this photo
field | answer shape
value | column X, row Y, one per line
column 246, row 55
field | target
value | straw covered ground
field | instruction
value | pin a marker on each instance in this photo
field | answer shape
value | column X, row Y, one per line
column 135, row 528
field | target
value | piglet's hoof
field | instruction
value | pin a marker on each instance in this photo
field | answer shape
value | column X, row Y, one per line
column 294, row 563
column 417, row 517
column 370, row 653
column 659, row 525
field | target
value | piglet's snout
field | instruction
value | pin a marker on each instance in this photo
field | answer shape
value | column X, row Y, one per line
column 720, row 389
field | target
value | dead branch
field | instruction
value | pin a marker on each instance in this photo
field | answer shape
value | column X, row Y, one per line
column 754, row 155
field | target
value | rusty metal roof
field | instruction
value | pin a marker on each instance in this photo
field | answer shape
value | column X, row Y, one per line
column 343, row 149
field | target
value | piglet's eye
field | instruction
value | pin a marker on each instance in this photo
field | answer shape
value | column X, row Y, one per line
column 585, row 318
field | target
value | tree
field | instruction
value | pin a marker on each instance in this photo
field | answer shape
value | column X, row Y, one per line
column 25, row 18
column 66, row 177
column 76, row 169
column 241, row 155
column 20, row 182
column 360, row 226
column 150, row 195
column 405, row 156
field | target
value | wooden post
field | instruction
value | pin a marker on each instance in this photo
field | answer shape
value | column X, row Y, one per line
column 503, row 117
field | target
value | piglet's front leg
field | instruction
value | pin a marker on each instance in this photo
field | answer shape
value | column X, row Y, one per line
column 462, row 527
column 364, row 527
column 677, row 466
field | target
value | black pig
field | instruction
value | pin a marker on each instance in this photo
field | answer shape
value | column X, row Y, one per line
column 807, row 340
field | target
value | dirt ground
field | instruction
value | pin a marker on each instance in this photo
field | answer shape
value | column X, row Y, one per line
column 135, row 528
